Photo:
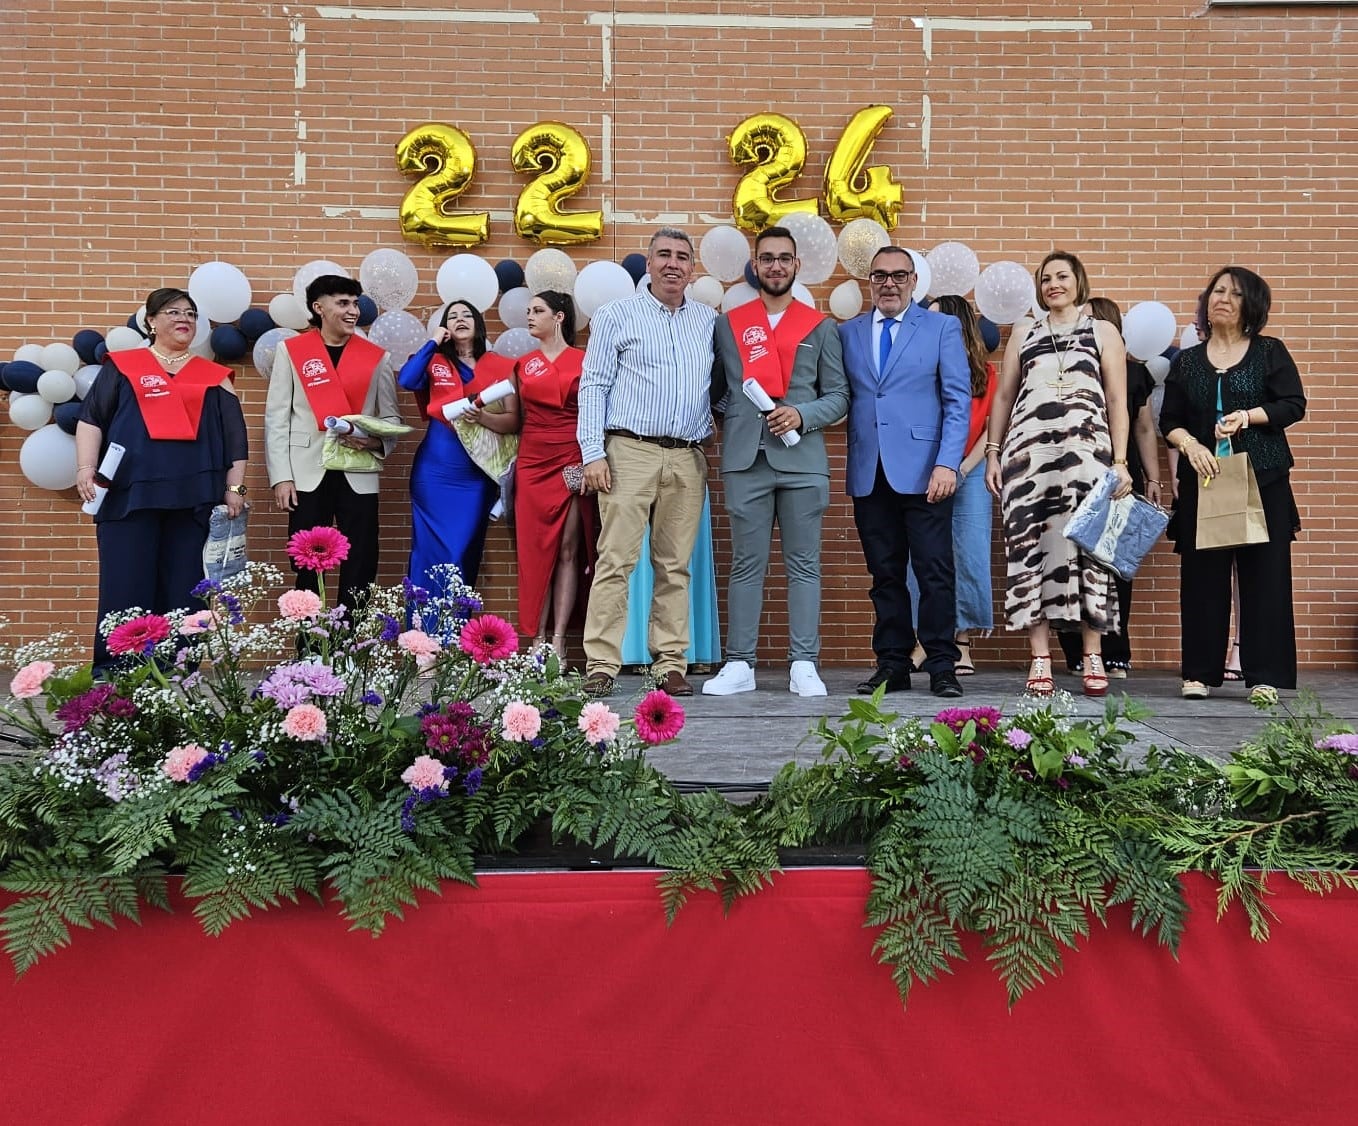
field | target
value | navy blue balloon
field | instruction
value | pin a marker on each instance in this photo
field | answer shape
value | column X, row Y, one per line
column 510, row 275
column 22, row 376
column 750, row 277
column 3, row 385
column 101, row 353
column 85, row 342
column 367, row 310
column 990, row 334
column 228, row 343
column 132, row 324
column 254, row 323
column 66, row 415
column 1170, row 352
column 635, row 264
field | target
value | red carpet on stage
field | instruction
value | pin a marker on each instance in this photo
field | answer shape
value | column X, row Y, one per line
column 564, row 998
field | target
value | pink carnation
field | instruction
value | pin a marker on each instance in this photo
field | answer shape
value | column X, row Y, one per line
column 521, row 722
column 28, row 681
column 425, row 773
column 599, row 722
column 318, row 549
column 305, row 721
column 488, row 638
column 181, row 761
column 200, row 621
column 658, row 717
column 140, row 635
column 298, row 605
column 418, row 644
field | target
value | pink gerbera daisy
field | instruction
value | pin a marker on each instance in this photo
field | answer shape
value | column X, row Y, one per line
column 318, row 549
column 140, row 635
column 658, row 717
column 488, row 638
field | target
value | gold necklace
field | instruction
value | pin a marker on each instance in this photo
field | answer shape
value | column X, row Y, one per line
column 1061, row 352
column 163, row 358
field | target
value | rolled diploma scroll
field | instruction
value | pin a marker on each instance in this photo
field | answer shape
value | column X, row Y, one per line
column 492, row 394
column 107, row 468
column 340, row 427
column 760, row 398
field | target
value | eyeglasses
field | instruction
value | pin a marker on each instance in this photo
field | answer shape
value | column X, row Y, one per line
column 900, row 277
column 180, row 314
column 779, row 259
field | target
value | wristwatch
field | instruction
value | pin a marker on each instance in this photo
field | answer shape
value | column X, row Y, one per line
column 239, row 490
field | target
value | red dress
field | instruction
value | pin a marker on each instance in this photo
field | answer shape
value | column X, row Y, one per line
column 549, row 400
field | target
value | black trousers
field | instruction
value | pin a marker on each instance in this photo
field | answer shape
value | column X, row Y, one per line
column 334, row 501
column 151, row 558
column 897, row 529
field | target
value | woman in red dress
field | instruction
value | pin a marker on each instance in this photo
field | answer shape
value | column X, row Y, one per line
column 556, row 527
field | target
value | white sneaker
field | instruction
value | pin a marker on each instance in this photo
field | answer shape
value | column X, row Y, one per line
column 735, row 676
column 804, row 680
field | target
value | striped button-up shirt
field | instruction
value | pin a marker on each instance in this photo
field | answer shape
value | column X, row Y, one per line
column 647, row 370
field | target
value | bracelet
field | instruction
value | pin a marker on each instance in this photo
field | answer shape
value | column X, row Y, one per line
column 993, row 447
column 1119, row 461
column 78, row 468
column 1155, row 483
column 1245, row 425
column 1187, row 441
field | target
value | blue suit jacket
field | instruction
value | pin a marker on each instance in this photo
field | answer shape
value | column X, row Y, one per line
column 916, row 415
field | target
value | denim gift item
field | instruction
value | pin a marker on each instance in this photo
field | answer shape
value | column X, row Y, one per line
column 1117, row 534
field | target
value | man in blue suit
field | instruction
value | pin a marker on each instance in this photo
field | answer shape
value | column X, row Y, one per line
column 909, row 408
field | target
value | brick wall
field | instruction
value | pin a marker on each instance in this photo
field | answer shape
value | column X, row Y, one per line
column 1158, row 141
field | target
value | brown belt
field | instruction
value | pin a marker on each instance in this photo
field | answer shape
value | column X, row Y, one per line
column 657, row 440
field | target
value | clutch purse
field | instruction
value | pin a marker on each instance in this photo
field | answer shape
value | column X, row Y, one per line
column 1116, row 534
column 574, row 476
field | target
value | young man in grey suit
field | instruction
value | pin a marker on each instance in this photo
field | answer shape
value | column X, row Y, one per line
column 910, row 408
column 792, row 355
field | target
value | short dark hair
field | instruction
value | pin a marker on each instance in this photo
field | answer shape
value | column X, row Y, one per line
column 774, row 232
column 329, row 285
column 1076, row 267
column 1256, row 299
column 479, row 349
column 893, row 250
column 561, row 303
column 157, row 299
column 1106, row 309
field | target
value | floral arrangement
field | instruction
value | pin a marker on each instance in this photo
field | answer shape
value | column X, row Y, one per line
column 266, row 747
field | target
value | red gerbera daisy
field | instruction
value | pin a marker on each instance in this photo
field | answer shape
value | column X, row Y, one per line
column 658, row 718
column 318, row 549
column 140, row 635
column 488, row 638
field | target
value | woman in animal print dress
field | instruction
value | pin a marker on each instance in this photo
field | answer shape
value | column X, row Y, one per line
column 1059, row 421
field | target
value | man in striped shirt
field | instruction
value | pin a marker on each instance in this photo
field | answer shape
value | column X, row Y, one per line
column 644, row 412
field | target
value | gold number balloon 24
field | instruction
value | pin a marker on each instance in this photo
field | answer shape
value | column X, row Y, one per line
column 445, row 159
column 559, row 156
column 853, row 192
column 776, row 146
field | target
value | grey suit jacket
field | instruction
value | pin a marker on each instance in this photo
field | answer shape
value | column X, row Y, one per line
column 818, row 389
column 292, row 443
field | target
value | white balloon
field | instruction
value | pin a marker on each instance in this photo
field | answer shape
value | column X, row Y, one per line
column 202, row 335
column 513, row 307
column 84, row 379
column 1004, row 292
column 319, row 268
column 122, row 338
column 56, row 386
column 550, row 268
column 435, row 320
column 469, row 278
column 29, row 412
column 399, row 333
column 1148, row 328
column 31, row 354
column 706, row 290
column 816, row 246
column 846, row 300
column 266, row 346
column 389, row 277
column 59, row 357
column 724, row 251
column 288, row 312
column 47, row 458
column 955, row 269
column 140, row 317
column 514, row 343
column 742, row 293
column 599, row 283
column 1189, row 337
column 1158, row 366
column 802, row 294
column 859, row 240
column 221, row 292
column 924, row 276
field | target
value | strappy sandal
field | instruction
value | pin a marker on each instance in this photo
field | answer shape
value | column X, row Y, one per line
column 1040, row 681
column 1095, row 678
column 1194, row 690
column 965, row 667
column 1234, row 675
column 559, row 645
column 1263, row 696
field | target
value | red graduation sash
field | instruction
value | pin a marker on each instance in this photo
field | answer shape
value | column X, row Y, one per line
column 768, row 354
column 445, row 381
column 171, row 405
column 541, row 380
column 332, row 392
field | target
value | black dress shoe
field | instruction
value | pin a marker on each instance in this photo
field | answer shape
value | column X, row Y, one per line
column 896, row 680
column 944, row 684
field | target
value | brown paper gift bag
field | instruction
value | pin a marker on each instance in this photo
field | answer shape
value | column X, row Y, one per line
column 1230, row 510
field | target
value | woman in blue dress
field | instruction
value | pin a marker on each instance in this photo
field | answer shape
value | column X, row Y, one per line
column 454, row 480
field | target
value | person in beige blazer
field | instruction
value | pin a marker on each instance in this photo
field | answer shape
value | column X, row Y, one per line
column 329, row 370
